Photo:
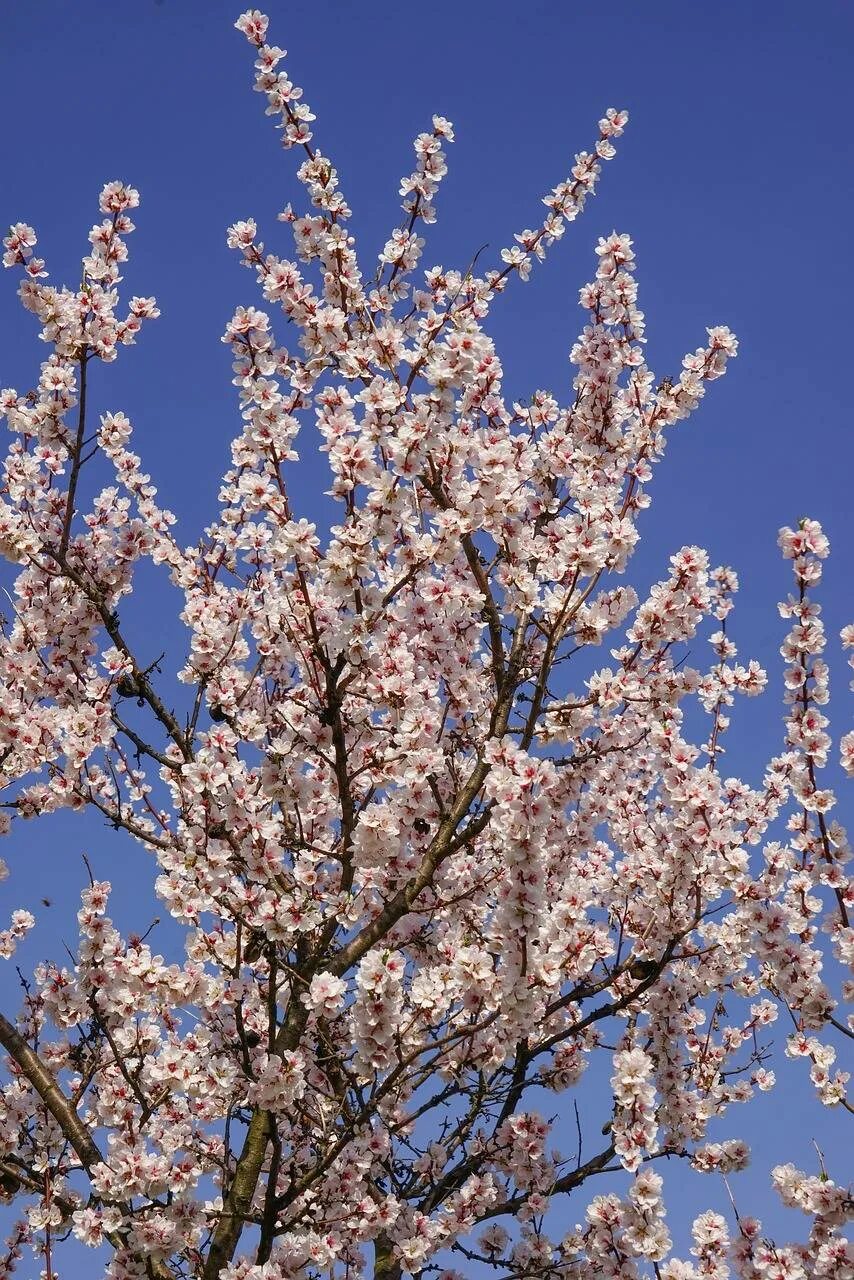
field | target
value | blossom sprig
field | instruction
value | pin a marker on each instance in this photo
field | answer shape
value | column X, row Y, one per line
column 846, row 743
column 19, row 248
column 807, row 690
column 564, row 203
column 402, row 251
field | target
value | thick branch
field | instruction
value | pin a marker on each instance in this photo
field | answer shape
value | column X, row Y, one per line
column 445, row 839
column 44, row 1083
column 386, row 1265
column 75, row 1132
column 238, row 1202
column 76, row 459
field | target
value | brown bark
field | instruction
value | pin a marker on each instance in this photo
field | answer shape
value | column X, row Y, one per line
column 45, row 1085
column 60, row 1107
column 386, row 1265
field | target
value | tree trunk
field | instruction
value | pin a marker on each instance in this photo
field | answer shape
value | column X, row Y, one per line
column 386, row 1265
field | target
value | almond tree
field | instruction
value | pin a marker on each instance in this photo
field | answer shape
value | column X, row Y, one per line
column 428, row 871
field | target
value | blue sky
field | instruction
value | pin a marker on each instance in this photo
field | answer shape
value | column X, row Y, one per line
column 734, row 178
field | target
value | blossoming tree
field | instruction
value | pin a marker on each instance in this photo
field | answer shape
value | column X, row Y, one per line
column 426, row 878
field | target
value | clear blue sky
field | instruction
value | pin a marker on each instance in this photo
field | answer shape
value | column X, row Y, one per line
column 734, row 178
